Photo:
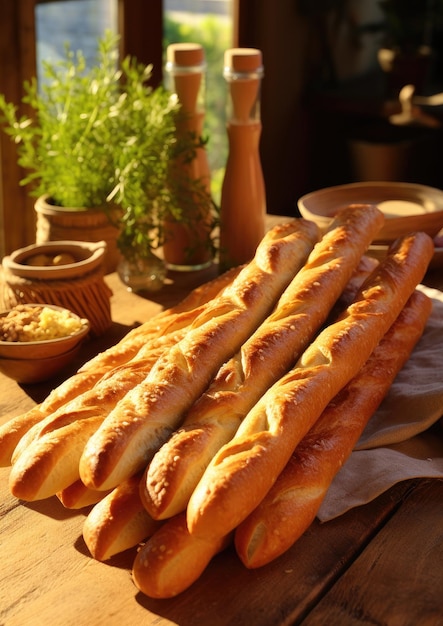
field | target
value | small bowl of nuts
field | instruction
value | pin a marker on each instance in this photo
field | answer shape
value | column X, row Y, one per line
column 38, row 340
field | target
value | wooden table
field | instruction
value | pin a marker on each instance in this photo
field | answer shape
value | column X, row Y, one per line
column 378, row 564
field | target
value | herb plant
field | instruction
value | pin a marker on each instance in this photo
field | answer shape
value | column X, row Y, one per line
column 66, row 144
column 102, row 137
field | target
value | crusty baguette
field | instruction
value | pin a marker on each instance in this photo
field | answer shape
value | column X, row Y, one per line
column 166, row 321
column 149, row 413
column 118, row 522
column 78, row 496
column 295, row 498
column 243, row 471
column 365, row 267
column 91, row 372
column 177, row 467
column 50, row 463
column 172, row 559
column 46, row 459
column 104, row 394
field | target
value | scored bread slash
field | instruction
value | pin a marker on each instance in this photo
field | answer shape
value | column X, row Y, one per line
column 295, row 498
column 242, row 472
column 149, row 412
column 271, row 350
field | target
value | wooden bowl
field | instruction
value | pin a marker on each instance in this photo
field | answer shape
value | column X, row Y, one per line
column 86, row 258
column 35, row 361
column 407, row 207
column 380, row 251
column 28, row 371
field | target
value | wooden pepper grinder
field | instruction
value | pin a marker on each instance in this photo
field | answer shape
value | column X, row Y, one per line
column 243, row 200
column 188, row 239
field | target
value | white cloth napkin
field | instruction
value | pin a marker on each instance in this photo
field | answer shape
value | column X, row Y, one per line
column 397, row 444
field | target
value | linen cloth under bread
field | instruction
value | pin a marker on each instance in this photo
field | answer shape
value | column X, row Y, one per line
column 398, row 442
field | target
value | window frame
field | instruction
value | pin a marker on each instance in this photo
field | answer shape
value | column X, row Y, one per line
column 140, row 25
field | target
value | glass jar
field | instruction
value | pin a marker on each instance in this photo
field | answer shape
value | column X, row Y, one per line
column 187, row 243
column 243, row 200
column 142, row 273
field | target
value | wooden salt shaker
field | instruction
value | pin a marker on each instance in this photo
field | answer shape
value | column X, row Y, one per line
column 188, row 241
column 243, row 200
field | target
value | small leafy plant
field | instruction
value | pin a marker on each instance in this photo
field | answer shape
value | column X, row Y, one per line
column 102, row 137
column 66, row 144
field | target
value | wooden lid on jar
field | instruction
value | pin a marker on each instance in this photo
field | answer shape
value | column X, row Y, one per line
column 185, row 55
column 243, row 60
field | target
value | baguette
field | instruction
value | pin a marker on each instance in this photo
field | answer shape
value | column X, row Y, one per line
column 91, row 372
column 46, row 459
column 172, row 559
column 243, row 471
column 50, row 463
column 166, row 321
column 212, row 421
column 118, row 522
column 295, row 498
column 148, row 414
column 77, row 495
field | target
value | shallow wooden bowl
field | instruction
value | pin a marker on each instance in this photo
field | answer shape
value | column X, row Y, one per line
column 33, row 354
column 37, row 370
column 87, row 258
column 407, row 207
column 380, row 251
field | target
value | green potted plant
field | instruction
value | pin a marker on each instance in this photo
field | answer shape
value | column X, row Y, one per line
column 96, row 148
column 143, row 179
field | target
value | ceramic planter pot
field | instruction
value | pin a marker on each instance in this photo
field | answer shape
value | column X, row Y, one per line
column 55, row 223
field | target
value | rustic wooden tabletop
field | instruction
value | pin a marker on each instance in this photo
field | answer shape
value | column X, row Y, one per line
column 380, row 563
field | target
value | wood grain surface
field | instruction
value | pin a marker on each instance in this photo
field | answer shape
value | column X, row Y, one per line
column 377, row 564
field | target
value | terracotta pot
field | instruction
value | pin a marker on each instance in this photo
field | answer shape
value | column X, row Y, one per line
column 55, row 223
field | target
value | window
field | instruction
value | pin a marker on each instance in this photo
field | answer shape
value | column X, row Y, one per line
column 35, row 29
column 210, row 24
column 79, row 22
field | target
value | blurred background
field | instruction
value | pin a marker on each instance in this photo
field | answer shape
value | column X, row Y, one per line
column 334, row 70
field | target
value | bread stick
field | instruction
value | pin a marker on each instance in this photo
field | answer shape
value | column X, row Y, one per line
column 50, row 463
column 243, row 471
column 295, row 498
column 118, row 522
column 104, row 394
column 177, row 467
column 91, row 372
column 149, row 413
column 172, row 559
column 46, row 459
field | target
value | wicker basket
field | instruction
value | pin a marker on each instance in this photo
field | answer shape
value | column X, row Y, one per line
column 86, row 293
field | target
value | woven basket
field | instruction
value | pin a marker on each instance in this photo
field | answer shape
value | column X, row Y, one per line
column 84, row 293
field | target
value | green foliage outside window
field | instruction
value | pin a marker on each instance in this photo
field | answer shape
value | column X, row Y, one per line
column 214, row 35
